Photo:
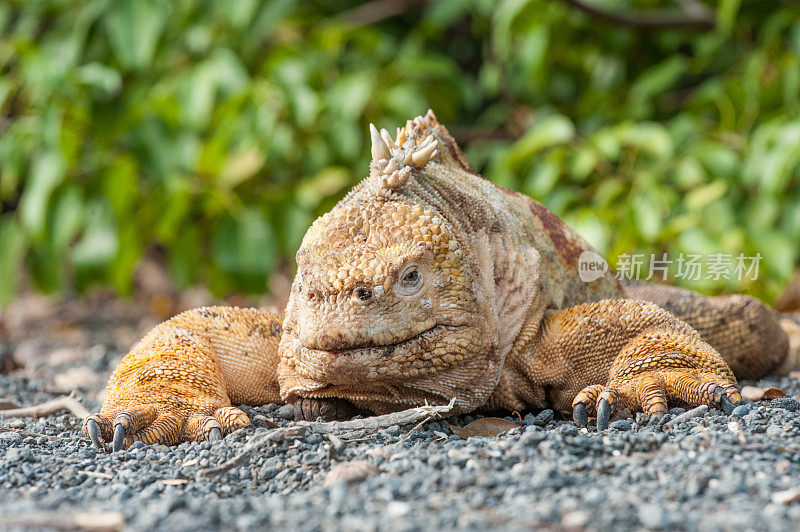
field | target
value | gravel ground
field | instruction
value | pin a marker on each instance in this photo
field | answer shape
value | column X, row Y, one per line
column 714, row 472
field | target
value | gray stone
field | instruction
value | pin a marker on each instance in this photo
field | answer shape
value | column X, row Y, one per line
column 742, row 410
column 17, row 454
column 285, row 412
column 9, row 438
column 653, row 516
column 543, row 418
column 621, row 425
column 775, row 430
column 786, row 403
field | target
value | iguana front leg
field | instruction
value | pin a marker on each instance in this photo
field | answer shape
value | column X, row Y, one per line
column 598, row 357
column 177, row 384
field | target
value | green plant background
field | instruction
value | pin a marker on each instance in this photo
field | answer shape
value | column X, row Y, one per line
column 219, row 130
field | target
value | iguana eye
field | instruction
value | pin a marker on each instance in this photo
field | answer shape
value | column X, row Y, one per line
column 411, row 278
column 410, row 282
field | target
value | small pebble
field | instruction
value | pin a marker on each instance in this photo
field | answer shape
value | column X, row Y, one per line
column 742, row 410
column 621, row 424
column 285, row 412
column 543, row 418
column 786, row 403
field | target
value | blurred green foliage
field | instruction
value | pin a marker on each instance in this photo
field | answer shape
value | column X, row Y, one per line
column 219, row 130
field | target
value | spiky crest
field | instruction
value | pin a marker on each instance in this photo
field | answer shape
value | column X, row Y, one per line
column 421, row 141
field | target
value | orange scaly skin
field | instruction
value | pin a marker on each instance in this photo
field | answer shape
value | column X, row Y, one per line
column 178, row 382
column 428, row 283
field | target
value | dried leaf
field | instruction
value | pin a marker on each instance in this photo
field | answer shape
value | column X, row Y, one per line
column 175, row 481
column 754, row 393
column 486, row 426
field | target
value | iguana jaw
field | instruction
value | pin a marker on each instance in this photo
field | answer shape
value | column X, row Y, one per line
column 386, row 349
column 421, row 354
column 387, row 377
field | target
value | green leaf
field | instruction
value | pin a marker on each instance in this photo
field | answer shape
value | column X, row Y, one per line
column 650, row 137
column 550, row 131
column 323, row 185
column 186, row 256
column 241, row 166
column 702, row 196
column 12, row 255
column 133, row 28
column 647, row 216
column 719, row 160
column 67, row 217
column 105, row 79
column 245, row 244
column 46, row 174
column 542, row 178
column 655, row 81
column 99, row 242
column 121, row 268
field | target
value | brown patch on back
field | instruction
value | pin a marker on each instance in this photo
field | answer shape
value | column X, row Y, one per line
column 557, row 230
column 555, row 227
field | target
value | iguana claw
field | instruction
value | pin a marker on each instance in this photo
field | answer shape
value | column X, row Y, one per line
column 726, row 405
column 580, row 414
column 119, row 437
column 93, row 429
column 603, row 414
column 214, row 434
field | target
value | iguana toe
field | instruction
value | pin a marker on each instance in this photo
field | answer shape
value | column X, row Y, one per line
column 327, row 408
column 603, row 414
column 580, row 414
column 201, row 427
column 119, row 437
column 93, row 431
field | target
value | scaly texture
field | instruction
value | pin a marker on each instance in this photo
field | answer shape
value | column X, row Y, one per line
column 746, row 332
column 430, row 284
column 179, row 381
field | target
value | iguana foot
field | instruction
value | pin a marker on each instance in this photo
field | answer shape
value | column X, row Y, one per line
column 161, row 423
column 655, row 369
column 178, row 383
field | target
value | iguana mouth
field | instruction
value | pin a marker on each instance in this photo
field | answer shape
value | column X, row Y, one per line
column 422, row 338
column 410, row 358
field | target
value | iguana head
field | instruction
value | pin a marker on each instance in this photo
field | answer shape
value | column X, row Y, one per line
column 384, row 309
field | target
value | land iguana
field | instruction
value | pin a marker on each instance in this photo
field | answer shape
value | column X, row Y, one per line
column 427, row 283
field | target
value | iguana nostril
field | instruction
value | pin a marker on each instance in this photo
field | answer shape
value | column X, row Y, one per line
column 363, row 293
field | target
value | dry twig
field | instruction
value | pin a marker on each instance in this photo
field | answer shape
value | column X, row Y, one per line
column 96, row 521
column 301, row 428
column 68, row 402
